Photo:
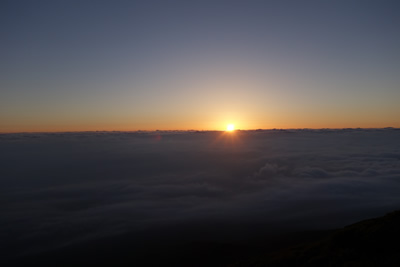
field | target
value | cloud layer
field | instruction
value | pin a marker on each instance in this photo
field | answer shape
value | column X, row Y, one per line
column 63, row 189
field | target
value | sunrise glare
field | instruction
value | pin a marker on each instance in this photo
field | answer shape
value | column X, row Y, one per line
column 230, row 127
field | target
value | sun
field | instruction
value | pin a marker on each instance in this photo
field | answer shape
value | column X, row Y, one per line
column 230, row 127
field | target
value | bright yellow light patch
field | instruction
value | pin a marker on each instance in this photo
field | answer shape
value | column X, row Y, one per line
column 230, row 127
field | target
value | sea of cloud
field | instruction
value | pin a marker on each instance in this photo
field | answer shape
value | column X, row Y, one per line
column 61, row 189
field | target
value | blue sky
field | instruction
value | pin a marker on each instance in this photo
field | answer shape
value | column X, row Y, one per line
column 129, row 65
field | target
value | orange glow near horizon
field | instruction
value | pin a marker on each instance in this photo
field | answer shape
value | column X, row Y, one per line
column 100, row 128
column 206, row 123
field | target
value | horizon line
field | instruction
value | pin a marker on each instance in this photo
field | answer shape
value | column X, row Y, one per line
column 194, row 130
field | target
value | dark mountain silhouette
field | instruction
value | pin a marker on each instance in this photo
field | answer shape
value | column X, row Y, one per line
column 374, row 242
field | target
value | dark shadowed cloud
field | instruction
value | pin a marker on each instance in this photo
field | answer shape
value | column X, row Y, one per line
column 66, row 188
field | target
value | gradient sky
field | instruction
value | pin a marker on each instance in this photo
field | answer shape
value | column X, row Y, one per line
column 146, row 65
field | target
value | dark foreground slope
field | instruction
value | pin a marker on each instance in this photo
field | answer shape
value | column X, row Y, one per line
column 374, row 242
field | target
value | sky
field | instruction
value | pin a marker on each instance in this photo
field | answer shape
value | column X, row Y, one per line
column 179, row 65
column 61, row 190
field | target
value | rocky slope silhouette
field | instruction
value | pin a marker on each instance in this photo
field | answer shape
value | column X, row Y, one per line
column 373, row 242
